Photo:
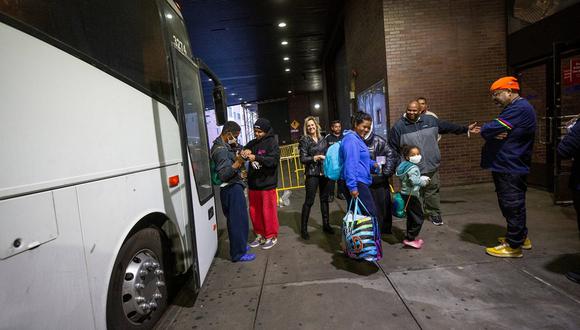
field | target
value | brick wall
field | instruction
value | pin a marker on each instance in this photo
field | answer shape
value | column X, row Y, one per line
column 364, row 42
column 449, row 52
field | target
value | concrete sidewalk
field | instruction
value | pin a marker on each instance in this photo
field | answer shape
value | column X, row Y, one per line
column 449, row 284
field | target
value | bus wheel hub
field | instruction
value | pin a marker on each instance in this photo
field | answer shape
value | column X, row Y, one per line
column 141, row 286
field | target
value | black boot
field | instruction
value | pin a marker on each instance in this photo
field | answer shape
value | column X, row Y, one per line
column 304, row 222
column 325, row 219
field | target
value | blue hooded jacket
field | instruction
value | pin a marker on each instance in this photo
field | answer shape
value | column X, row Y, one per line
column 356, row 161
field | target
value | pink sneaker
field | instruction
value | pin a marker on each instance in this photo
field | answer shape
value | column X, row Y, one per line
column 417, row 243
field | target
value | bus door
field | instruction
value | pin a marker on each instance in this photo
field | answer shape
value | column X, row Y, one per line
column 191, row 115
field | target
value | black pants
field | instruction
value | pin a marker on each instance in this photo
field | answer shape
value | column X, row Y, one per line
column 414, row 217
column 511, row 195
column 366, row 197
column 312, row 183
column 576, row 197
column 382, row 199
column 332, row 183
column 236, row 212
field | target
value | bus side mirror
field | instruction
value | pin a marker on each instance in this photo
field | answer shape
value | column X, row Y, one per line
column 220, row 104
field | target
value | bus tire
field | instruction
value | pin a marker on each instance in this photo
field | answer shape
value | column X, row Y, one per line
column 137, row 295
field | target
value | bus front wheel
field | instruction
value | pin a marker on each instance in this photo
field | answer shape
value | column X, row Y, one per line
column 137, row 293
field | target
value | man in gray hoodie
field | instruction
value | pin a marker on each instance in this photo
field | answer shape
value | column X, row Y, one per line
column 422, row 131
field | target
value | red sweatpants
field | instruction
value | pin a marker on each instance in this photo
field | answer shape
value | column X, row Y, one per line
column 264, row 212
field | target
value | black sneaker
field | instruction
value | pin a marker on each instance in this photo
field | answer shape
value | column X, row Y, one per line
column 340, row 196
column 331, row 198
column 436, row 220
column 573, row 276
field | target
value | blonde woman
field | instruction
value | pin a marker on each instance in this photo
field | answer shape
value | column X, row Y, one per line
column 312, row 150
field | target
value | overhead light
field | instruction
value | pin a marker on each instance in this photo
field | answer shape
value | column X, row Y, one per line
column 317, row 106
column 287, row 69
column 284, row 43
column 233, row 94
column 286, row 58
column 281, row 24
column 210, row 79
column 240, row 98
column 169, row 16
column 289, row 92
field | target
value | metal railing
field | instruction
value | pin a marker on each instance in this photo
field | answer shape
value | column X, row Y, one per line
column 291, row 169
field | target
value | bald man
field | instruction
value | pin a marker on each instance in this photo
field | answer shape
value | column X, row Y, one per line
column 422, row 130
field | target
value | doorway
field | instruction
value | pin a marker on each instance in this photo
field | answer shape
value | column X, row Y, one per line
column 552, row 86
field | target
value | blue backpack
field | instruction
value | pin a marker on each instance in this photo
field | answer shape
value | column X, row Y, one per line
column 332, row 164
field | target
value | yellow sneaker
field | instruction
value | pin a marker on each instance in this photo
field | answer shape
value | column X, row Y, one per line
column 526, row 246
column 504, row 251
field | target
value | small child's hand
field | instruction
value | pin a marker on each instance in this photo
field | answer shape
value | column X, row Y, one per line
column 425, row 179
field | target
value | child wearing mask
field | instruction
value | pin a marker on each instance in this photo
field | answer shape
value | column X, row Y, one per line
column 411, row 182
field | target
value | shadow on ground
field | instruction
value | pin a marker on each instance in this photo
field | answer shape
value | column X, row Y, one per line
column 484, row 234
column 564, row 263
column 359, row 267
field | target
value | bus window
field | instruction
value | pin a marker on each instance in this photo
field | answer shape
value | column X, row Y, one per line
column 119, row 35
column 195, row 125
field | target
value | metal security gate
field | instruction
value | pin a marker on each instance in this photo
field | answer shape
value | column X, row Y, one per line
column 552, row 85
column 566, row 105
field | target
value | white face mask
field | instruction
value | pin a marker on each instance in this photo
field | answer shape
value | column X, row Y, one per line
column 233, row 140
column 415, row 159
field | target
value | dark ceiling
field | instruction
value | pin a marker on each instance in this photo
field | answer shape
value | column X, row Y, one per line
column 241, row 42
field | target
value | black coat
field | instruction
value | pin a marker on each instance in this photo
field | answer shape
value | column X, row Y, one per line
column 378, row 146
column 332, row 139
column 568, row 148
column 267, row 154
column 308, row 149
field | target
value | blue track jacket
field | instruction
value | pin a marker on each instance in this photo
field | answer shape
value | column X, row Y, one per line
column 356, row 161
column 514, row 153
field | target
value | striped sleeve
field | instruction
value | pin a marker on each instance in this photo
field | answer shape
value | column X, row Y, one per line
column 505, row 123
column 499, row 125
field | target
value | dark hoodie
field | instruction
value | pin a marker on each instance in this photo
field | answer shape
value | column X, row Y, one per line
column 267, row 154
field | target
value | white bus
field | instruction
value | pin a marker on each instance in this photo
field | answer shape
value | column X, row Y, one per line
column 105, row 189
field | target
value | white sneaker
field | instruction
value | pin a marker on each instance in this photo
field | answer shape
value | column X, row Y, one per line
column 258, row 241
column 270, row 242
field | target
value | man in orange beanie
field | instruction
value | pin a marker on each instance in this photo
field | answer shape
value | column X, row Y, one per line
column 507, row 152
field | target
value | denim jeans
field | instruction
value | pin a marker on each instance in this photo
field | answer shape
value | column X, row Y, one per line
column 236, row 212
column 511, row 195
